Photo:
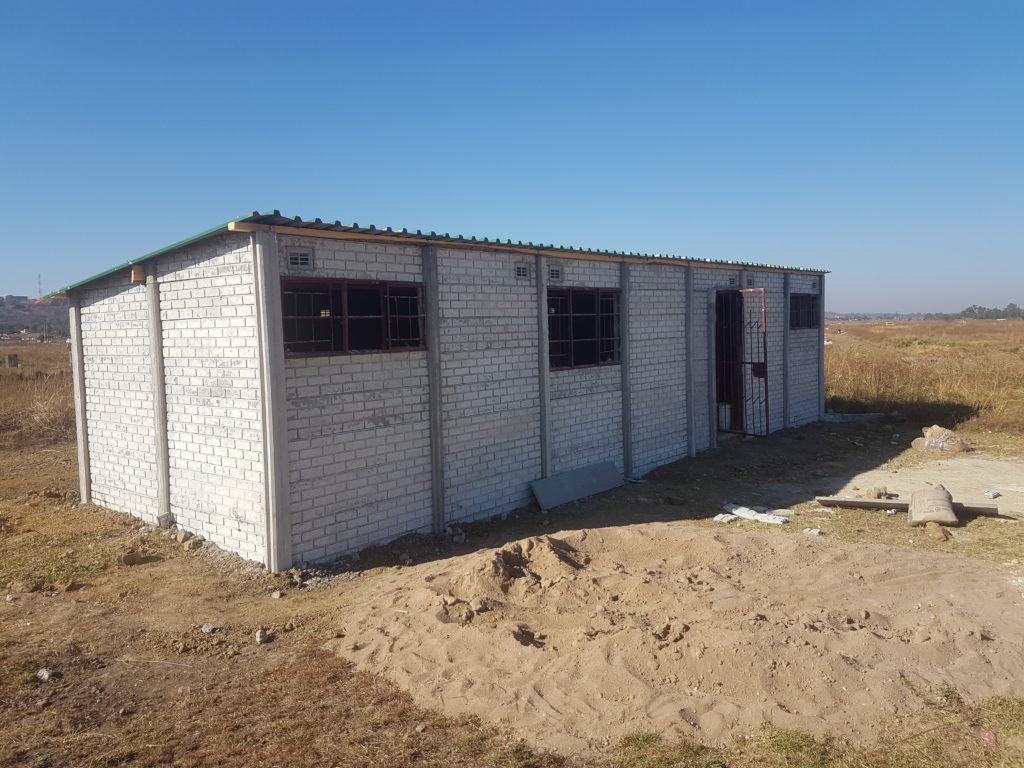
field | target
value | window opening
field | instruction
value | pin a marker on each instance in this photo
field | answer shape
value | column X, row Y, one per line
column 347, row 317
column 804, row 311
column 741, row 361
column 583, row 327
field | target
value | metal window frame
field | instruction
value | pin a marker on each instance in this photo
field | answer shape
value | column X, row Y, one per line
column 804, row 311
column 598, row 294
column 339, row 287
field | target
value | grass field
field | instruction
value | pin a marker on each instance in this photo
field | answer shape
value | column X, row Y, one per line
column 963, row 375
column 130, row 695
column 35, row 399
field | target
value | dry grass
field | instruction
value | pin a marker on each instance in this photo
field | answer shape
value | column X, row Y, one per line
column 948, row 735
column 126, row 697
column 961, row 375
column 35, row 399
column 312, row 708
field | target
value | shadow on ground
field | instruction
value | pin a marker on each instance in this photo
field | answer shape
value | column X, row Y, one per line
column 784, row 469
column 947, row 413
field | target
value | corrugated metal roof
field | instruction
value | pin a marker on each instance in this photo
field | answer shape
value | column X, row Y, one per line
column 275, row 219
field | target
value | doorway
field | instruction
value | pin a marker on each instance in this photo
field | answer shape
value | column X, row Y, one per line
column 741, row 361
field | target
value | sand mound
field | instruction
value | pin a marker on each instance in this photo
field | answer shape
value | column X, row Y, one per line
column 578, row 640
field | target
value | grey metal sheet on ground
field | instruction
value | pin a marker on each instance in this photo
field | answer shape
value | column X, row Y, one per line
column 576, row 484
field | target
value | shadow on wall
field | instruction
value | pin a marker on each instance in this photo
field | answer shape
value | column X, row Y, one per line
column 948, row 414
column 784, row 469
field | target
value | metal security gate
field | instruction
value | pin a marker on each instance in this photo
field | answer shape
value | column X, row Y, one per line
column 741, row 361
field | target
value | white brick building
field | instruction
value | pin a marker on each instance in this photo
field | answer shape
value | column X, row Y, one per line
column 297, row 390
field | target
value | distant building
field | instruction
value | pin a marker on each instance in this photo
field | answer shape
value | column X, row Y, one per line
column 296, row 390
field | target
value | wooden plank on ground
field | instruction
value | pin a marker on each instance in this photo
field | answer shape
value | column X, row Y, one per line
column 839, row 501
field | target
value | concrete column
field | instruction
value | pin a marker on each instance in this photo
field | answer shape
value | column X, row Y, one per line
column 432, row 310
column 156, row 361
column 712, row 372
column 273, row 401
column 821, row 347
column 785, row 350
column 543, row 365
column 78, row 385
column 691, row 347
column 626, row 386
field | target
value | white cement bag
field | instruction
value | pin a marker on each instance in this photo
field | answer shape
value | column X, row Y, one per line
column 933, row 504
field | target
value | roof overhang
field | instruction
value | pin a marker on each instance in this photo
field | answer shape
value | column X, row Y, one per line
column 278, row 224
column 63, row 292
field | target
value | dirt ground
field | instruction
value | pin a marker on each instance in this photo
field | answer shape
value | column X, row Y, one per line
column 629, row 613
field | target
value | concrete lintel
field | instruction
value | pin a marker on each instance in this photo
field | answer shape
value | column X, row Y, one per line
column 273, row 402
column 78, row 384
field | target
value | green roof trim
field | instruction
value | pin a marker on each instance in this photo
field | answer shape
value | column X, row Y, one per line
column 275, row 219
column 151, row 255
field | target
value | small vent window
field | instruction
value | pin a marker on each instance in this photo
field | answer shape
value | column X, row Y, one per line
column 522, row 271
column 555, row 273
column 300, row 259
column 732, row 281
column 750, row 282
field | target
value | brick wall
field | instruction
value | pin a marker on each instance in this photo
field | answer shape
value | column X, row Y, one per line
column 490, row 400
column 358, row 451
column 804, row 351
column 212, row 375
column 586, row 403
column 119, row 396
column 358, row 425
column 657, row 365
column 212, row 389
column 358, row 428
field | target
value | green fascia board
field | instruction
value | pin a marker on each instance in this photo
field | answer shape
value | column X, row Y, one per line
column 151, row 255
column 372, row 230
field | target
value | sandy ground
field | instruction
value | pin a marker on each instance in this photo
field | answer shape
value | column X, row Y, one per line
column 632, row 611
column 579, row 637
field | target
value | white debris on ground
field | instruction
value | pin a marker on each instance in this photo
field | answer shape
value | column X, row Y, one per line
column 749, row 513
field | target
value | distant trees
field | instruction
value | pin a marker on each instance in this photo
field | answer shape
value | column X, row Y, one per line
column 977, row 312
column 49, row 316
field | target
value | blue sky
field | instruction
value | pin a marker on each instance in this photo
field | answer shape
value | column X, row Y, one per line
column 883, row 141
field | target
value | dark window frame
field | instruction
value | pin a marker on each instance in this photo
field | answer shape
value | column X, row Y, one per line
column 804, row 311
column 569, row 315
column 329, row 314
